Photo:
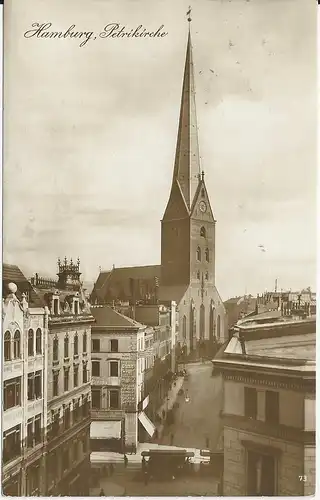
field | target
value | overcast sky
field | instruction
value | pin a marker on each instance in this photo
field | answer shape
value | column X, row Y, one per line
column 90, row 135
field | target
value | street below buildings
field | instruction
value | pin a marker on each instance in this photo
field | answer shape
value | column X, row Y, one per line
column 197, row 421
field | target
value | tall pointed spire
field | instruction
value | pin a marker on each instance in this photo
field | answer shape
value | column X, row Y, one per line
column 187, row 160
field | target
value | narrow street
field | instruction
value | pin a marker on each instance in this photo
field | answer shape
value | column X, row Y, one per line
column 197, row 423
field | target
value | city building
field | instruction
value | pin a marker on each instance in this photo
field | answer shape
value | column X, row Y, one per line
column 239, row 307
column 68, row 381
column 187, row 271
column 269, row 376
column 24, row 381
column 118, row 365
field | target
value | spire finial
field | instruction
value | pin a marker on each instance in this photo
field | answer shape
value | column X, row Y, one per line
column 189, row 15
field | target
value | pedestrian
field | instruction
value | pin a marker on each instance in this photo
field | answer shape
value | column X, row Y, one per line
column 146, row 477
column 125, row 459
column 111, row 469
column 132, row 449
column 144, row 463
column 102, row 493
column 171, row 439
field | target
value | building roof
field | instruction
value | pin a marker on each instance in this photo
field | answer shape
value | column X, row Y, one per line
column 105, row 316
column 13, row 274
column 169, row 293
column 282, row 346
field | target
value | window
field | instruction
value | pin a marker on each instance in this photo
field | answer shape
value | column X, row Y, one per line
column 75, row 376
column 66, row 346
column 33, row 480
column 114, row 369
column 55, row 376
column 218, row 327
column 199, row 254
column 75, row 451
column 85, row 407
column 66, row 417
column 203, row 193
column 114, row 345
column 96, row 368
column 66, row 379
column 261, row 479
column 272, row 407
column 30, row 343
column 203, row 232
column 17, row 345
column 84, row 374
column 55, row 349
column 85, row 444
column 76, row 411
column 207, row 254
column 38, row 341
column 55, row 426
column 250, row 402
column 198, row 275
column 84, row 342
column 34, row 385
column 34, row 431
column 207, row 275
column 55, row 306
column 76, row 345
column 12, row 393
column 37, row 429
column 95, row 345
column 96, row 398
column 11, row 443
column 114, row 399
column 7, row 346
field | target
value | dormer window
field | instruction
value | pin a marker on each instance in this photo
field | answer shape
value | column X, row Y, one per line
column 56, row 308
column 76, row 306
column 203, row 232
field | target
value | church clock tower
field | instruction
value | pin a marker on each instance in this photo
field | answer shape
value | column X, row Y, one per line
column 188, row 230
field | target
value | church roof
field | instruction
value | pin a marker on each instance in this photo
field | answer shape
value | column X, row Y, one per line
column 105, row 316
column 118, row 280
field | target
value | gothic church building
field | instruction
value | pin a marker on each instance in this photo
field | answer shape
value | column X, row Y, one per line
column 187, row 271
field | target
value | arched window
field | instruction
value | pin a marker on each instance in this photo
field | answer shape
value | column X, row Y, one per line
column 17, row 345
column 203, row 232
column 198, row 275
column 202, row 321
column 199, row 254
column 7, row 346
column 84, row 342
column 211, row 322
column 30, row 343
column 66, row 346
column 218, row 327
column 184, row 327
column 203, row 193
column 75, row 344
column 207, row 254
column 38, row 341
column 55, row 349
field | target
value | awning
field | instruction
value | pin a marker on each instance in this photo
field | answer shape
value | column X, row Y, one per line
column 106, row 429
column 147, row 424
column 145, row 403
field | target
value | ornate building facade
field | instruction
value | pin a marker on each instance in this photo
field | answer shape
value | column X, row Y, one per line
column 25, row 343
column 68, row 381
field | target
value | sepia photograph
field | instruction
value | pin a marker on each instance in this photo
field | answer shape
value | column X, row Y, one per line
column 159, row 248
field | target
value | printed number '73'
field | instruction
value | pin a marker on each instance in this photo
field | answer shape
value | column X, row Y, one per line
column 303, row 478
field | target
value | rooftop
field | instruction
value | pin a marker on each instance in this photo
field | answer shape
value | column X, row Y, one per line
column 105, row 316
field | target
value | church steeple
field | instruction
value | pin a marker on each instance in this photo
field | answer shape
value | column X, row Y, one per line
column 187, row 161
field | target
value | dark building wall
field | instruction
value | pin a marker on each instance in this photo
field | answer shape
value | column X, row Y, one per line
column 175, row 252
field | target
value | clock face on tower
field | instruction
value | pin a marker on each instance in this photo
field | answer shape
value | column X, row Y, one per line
column 203, row 206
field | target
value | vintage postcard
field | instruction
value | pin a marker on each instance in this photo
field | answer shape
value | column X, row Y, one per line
column 159, row 248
